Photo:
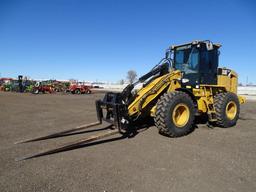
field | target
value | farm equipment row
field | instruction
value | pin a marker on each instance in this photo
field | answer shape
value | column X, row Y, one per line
column 37, row 87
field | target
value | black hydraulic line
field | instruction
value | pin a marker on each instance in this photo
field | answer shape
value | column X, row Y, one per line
column 153, row 72
column 70, row 145
column 57, row 134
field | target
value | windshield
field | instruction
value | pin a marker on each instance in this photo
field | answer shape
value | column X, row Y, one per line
column 187, row 60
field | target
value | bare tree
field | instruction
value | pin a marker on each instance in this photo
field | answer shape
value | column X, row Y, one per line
column 131, row 76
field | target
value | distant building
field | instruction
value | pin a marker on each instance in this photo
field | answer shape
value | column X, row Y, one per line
column 5, row 80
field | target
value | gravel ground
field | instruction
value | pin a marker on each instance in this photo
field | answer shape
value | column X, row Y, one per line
column 205, row 160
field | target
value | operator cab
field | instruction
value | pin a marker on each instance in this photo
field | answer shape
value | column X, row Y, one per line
column 198, row 61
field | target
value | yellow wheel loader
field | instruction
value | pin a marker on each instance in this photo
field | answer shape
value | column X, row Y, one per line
column 186, row 83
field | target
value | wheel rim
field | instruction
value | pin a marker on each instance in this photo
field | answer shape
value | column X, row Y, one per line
column 180, row 115
column 231, row 110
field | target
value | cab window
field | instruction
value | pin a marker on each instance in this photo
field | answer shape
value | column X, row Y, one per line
column 187, row 60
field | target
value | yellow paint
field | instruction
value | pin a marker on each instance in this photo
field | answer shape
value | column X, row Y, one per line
column 145, row 102
column 180, row 115
column 148, row 93
column 153, row 111
column 204, row 96
column 241, row 99
column 229, row 81
column 202, row 105
column 231, row 110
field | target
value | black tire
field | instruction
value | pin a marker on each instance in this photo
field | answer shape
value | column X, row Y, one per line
column 77, row 91
column 166, row 111
column 36, row 91
column 88, row 92
column 222, row 103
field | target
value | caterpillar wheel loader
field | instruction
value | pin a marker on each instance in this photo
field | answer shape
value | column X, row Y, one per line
column 185, row 84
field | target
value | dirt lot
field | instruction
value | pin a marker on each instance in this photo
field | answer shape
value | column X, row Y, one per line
column 206, row 160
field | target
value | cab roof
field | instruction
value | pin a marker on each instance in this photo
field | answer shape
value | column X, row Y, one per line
column 196, row 42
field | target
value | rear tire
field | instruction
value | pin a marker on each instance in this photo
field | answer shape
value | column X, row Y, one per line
column 88, row 92
column 77, row 91
column 227, row 109
column 175, row 114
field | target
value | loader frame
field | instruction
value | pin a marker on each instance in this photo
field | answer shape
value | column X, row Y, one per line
column 114, row 113
column 122, row 110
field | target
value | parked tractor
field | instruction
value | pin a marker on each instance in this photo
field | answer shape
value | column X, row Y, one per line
column 79, row 89
column 40, row 87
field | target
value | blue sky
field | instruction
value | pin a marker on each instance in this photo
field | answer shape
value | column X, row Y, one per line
column 102, row 40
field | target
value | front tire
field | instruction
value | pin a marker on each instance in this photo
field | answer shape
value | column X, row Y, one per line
column 227, row 109
column 36, row 91
column 175, row 114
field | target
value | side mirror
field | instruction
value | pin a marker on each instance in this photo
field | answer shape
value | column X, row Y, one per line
column 209, row 46
column 168, row 53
